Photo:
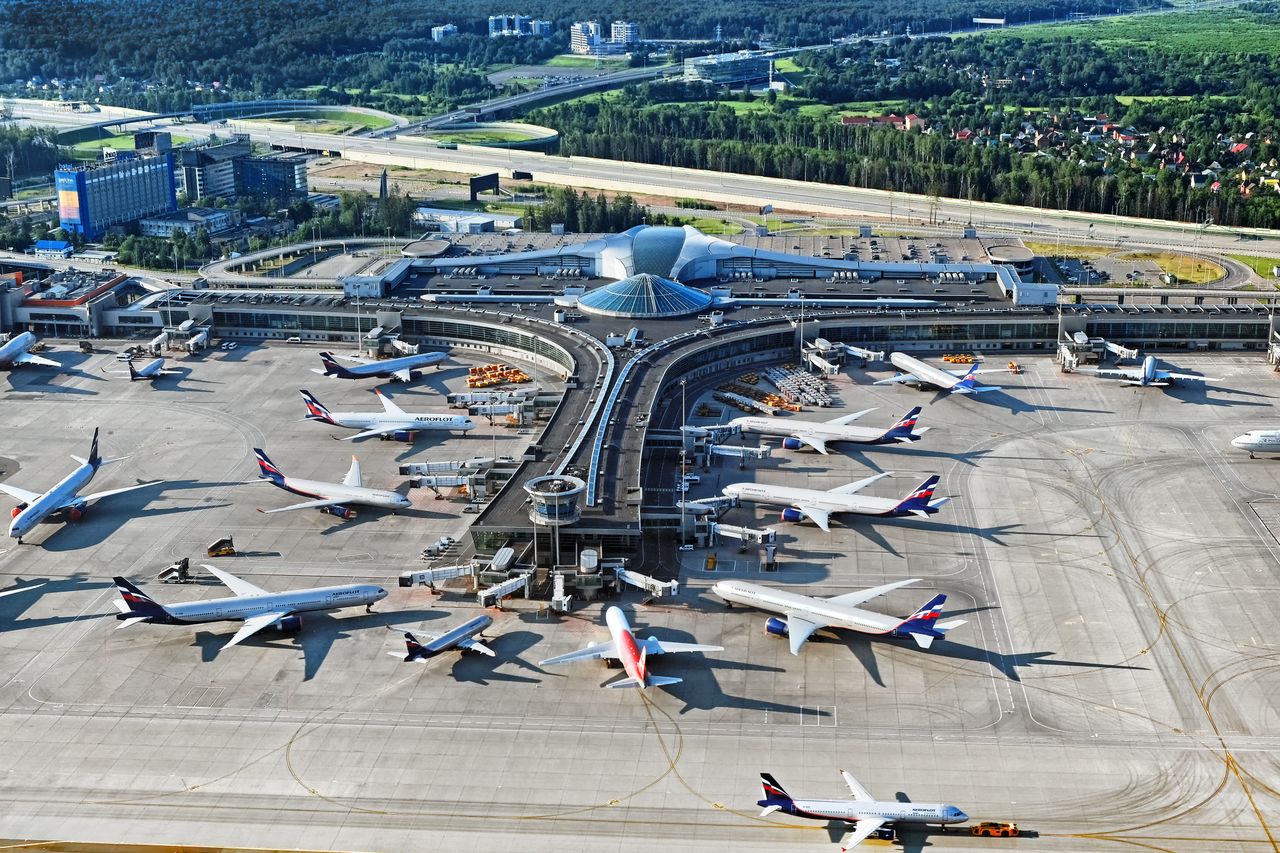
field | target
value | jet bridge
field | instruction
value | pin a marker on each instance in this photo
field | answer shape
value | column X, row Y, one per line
column 492, row 597
column 653, row 586
column 706, row 506
column 760, row 452
column 766, row 537
column 863, row 353
column 430, row 577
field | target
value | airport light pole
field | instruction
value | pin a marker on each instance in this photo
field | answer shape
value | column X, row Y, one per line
column 684, row 421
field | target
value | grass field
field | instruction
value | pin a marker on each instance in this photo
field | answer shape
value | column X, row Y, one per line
column 1202, row 32
column 483, row 136
column 1053, row 250
column 334, row 118
column 1262, row 266
column 571, row 60
column 1188, row 269
column 89, row 150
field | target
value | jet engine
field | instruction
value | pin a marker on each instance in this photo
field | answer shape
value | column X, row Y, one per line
column 777, row 627
column 17, row 510
column 792, row 514
column 288, row 624
column 340, row 511
column 793, row 444
column 76, row 511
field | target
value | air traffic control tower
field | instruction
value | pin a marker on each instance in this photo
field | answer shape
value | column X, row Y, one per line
column 555, row 504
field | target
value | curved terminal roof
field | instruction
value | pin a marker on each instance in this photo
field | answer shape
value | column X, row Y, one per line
column 644, row 295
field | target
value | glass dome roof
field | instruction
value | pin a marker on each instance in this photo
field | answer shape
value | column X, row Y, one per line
column 643, row 296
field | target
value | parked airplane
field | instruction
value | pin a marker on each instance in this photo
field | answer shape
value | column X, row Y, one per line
column 333, row 498
column 819, row 506
column 1258, row 441
column 400, row 369
column 14, row 352
column 1146, row 376
column 802, row 434
column 393, row 423
column 631, row 652
column 64, row 497
column 150, row 371
column 869, row 814
column 250, row 604
column 455, row 638
column 920, row 373
column 805, row 614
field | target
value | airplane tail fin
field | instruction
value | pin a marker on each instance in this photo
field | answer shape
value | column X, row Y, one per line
column 919, row 501
column 138, row 605
column 413, row 649
column 923, row 625
column 316, row 410
column 775, row 797
column 133, row 374
column 904, row 430
column 968, row 382
column 94, row 458
column 266, row 468
column 331, row 367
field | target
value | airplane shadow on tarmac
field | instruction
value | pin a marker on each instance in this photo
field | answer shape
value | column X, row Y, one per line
column 508, row 647
column 862, row 647
column 319, row 631
column 1022, row 407
column 33, row 589
column 913, row 838
column 367, row 515
column 1198, row 395
column 105, row 518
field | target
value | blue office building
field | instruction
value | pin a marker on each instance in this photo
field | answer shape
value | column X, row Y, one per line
column 98, row 196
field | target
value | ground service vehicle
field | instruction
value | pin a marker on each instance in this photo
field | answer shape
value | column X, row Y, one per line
column 994, row 829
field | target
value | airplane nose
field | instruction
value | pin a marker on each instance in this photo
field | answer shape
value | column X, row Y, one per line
column 382, row 593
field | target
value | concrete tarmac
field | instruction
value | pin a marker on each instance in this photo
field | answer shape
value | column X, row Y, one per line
column 1115, row 685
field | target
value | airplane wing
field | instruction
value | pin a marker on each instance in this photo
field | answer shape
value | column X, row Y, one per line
column 862, row 596
column 866, row 826
column 403, row 375
column 392, row 408
column 799, row 629
column 306, row 505
column 21, row 494
column 253, row 625
column 28, row 358
column 596, row 652
column 237, row 585
column 1186, row 377
column 370, row 433
column 859, row 793
column 353, row 474
column 816, row 514
column 658, row 647
column 817, row 444
column 901, row 377
column 1114, row 374
column 355, row 358
column 960, row 374
column 848, row 419
column 476, row 646
column 852, row 488
column 96, row 496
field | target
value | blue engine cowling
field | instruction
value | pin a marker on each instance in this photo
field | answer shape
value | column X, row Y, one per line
column 289, row 624
column 399, row 435
column 76, row 511
column 793, row 444
column 777, row 627
column 793, row 515
column 340, row 511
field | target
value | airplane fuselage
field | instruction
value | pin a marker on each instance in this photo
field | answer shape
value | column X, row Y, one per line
column 625, row 642
column 14, row 347
column 924, row 372
column 239, row 608
column 408, row 422
column 387, row 368
column 830, row 501
column 815, row 609
column 890, row 812
column 826, row 432
column 359, row 495
column 451, row 638
column 1258, row 441
column 151, row 370
column 49, row 503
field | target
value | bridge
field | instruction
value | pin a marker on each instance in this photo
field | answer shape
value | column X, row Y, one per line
column 205, row 112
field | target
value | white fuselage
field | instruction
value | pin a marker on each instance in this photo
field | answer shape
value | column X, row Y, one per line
column 51, row 501
column 14, row 347
column 892, row 812
column 407, row 421
column 357, row 495
column 926, row 373
column 153, row 369
column 789, row 427
column 298, row 601
column 812, row 609
column 625, row 642
column 832, row 502
column 1258, row 441
column 451, row 638
column 391, row 365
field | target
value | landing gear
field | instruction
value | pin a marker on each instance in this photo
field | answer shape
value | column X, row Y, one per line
column 368, row 608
